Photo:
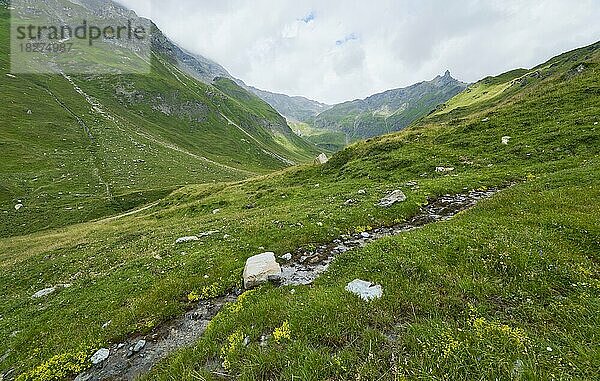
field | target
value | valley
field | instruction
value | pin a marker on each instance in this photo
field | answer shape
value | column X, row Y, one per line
column 142, row 196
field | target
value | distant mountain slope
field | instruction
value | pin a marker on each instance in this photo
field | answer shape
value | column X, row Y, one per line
column 389, row 111
column 295, row 109
column 82, row 146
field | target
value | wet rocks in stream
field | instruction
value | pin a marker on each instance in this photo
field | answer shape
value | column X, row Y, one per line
column 305, row 266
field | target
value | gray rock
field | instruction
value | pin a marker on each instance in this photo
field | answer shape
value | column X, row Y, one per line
column 365, row 235
column 215, row 211
column 444, row 169
column 208, row 233
column 44, row 292
column 83, row 377
column 362, row 191
column 505, row 140
column 18, row 206
column 100, row 356
column 139, row 345
column 187, row 239
column 286, row 257
column 392, row 198
column 259, row 268
column 321, row 159
column 365, row 290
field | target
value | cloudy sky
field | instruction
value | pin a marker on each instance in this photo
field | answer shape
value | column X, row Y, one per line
column 338, row 50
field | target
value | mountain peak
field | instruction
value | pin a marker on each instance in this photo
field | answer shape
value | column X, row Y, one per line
column 447, row 74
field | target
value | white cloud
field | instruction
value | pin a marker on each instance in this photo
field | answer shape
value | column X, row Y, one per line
column 337, row 50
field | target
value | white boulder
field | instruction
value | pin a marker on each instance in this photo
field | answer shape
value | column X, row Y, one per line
column 365, row 290
column 505, row 140
column 260, row 269
column 321, row 159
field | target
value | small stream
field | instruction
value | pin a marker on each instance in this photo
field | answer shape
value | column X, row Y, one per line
column 138, row 354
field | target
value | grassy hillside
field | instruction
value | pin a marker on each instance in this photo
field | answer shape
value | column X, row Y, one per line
column 77, row 148
column 509, row 289
column 325, row 140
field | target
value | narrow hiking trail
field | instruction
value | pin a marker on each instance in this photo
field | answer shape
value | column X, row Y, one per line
column 136, row 355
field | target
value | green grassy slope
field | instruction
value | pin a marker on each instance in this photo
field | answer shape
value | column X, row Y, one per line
column 325, row 140
column 463, row 299
column 77, row 148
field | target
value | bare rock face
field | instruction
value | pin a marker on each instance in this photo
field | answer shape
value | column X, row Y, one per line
column 260, row 269
column 392, row 198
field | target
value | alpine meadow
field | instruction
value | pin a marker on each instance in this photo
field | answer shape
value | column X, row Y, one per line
column 183, row 225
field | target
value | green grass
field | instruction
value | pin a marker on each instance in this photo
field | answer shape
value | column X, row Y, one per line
column 70, row 163
column 463, row 299
column 327, row 141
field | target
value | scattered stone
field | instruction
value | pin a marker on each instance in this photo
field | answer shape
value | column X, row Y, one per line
column 365, row 290
column 10, row 75
column 18, row 206
column 485, row 119
column 362, row 191
column 225, row 236
column 258, row 269
column 208, row 233
column 187, row 239
column 595, row 123
column 105, row 325
column 505, row 140
column 215, row 211
column 392, row 198
column 321, row 159
column 246, row 341
column 28, row 112
column 83, row 377
column 549, row 349
column 120, row 346
column 100, row 356
column 44, row 292
column 365, row 235
column 139, row 346
column 444, row 169
column 349, row 201
column 286, row 257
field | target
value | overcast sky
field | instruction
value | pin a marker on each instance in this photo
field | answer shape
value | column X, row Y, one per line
column 336, row 50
